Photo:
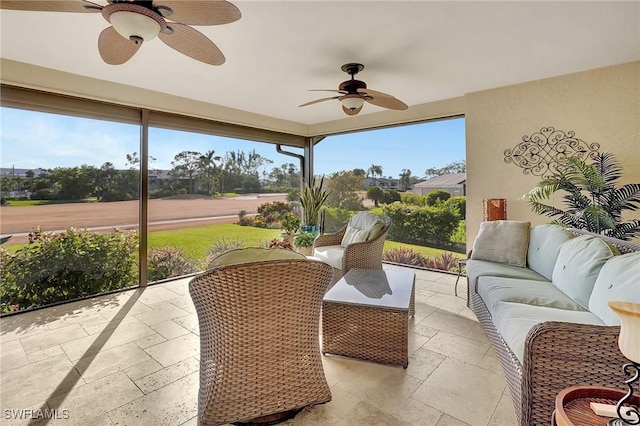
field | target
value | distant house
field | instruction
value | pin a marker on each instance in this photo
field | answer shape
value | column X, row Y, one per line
column 454, row 183
column 383, row 183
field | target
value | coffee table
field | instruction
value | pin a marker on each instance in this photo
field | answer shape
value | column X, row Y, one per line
column 366, row 315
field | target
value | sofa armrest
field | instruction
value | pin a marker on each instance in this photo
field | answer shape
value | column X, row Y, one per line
column 558, row 355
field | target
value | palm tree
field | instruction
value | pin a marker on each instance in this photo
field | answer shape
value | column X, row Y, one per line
column 593, row 201
column 405, row 179
column 375, row 170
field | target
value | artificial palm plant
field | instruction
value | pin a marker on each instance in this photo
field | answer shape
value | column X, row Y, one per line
column 593, row 201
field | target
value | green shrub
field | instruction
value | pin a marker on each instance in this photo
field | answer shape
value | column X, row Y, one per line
column 391, row 196
column 416, row 200
column 405, row 256
column 421, row 225
column 459, row 236
column 436, row 196
column 55, row 268
column 459, row 203
column 275, row 208
column 335, row 219
column 167, row 262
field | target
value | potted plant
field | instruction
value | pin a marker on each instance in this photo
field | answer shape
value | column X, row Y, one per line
column 312, row 199
column 304, row 242
column 290, row 224
column 593, row 201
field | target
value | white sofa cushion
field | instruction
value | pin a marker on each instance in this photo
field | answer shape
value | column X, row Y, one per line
column 544, row 245
column 483, row 268
column 619, row 279
column 514, row 320
column 530, row 292
column 330, row 254
column 502, row 241
column 354, row 235
column 579, row 262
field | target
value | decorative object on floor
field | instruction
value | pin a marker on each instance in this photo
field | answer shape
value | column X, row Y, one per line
column 543, row 152
column 274, row 306
column 312, row 199
column 137, row 21
column 629, row 344
column 353, row 94
column 304, row 243
column 593, row 202
column 494, row 209
column 290, row 224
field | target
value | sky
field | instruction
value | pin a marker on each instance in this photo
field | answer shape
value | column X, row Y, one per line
column 30, row 140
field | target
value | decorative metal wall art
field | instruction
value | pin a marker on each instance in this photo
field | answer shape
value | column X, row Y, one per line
column 543, row 153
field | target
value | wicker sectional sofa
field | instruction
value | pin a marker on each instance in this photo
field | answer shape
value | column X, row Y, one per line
column 546, row 313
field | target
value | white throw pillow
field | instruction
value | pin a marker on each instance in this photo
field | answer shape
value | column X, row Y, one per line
column 502, row 241
column 579, row 262
column 354, row 235
column 369, row 222
column 544, row 245
column 619, row 279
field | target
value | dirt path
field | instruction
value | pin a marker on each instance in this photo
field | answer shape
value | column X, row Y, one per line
column 163, row 214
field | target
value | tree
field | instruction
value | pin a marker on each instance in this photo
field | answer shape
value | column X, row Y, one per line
column 454, row 167
column 436, row 196
column 376, row 194
column 207, row 170
column 593, row 201
column 185, row 164
column 405, row 179
column 359, row 172
column 374, row 170
column 344, row 187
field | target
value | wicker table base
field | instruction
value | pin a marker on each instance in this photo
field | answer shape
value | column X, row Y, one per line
column 366, row 315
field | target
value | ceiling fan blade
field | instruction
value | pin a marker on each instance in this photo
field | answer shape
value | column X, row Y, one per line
column 79, row 6
column 351, row 111
column 115, row 49
column 383, row 100
column 193, row 43
column 344, row 92
column 319, row 100
column 200, row 12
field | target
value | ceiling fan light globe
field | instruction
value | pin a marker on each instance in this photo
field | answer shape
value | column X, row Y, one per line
column 352, row 102
column 131, row 24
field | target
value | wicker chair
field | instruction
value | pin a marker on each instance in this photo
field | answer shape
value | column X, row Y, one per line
column 361, row 255
column 259, row 347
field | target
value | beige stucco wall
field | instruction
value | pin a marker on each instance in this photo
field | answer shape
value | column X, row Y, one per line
column 601, row 106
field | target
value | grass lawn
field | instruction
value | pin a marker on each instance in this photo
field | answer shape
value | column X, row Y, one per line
column 45, row 202
column 197, row 241
column 426, row 251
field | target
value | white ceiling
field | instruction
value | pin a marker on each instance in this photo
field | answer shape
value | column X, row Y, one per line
column 419, row 51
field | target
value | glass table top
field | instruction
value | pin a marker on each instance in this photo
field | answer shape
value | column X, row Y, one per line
column 372, row 287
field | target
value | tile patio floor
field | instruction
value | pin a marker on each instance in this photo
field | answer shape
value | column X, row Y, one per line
column 132, row 359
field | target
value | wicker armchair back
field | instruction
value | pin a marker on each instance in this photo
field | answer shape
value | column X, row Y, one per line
column 259, row 346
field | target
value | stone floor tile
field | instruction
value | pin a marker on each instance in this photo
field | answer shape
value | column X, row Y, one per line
column 33, row 415
column 179, row 286
column 447, row 390
column 142, row 369
column 45, row 354
column 466, row 350
column 447, row 420
column 107, row 339
column 33, row 383
column 451, row 323
column 98, row 327
column 169, row 329
column 15, row 358
column 423, row 328
column 174, row 350
column 415, row 413
column 161, row 312
column 365, row 414
column 165, row 376
column 190, row 322
column 154, row 294
column 491, row 362
column 110, row 361
column 423, row 362
column 150, row 340
column 10, row 345
column 42, row 341
column 416, row 341
column 477, row 333
column 89, row 403
column 173, row 404
column 21, row 326
column 424, row 309
column 391, row 393
column 504, row 414
column 447, row 302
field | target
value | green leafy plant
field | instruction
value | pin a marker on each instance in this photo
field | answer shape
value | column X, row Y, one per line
column 312, row 199
column 405, row 256
column 304, row 239
column 54, row 268
column 290, row 223
column 593, row 202
column 167, row 262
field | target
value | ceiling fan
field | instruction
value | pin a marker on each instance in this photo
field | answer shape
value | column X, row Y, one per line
column 353, row 94
column 137, row 21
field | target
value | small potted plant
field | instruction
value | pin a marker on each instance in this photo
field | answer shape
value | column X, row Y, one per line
column 290, row 224
column 304, row 242
column 312, row 199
